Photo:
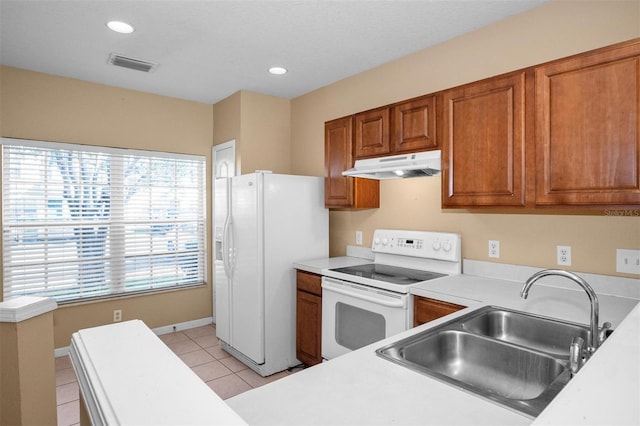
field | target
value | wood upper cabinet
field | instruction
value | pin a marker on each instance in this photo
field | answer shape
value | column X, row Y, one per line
column 308, row 317
column 587, row 128
column 426, row 309
column 483, row 134
column 413, row 125
column 372, row 133
column 400, row 128
column 341, row 191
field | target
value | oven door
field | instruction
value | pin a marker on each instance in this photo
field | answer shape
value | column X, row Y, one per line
column 354, row 316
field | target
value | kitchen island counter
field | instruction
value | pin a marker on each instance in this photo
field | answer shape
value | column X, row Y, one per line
column 362, row 388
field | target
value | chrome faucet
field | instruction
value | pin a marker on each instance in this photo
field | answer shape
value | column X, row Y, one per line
column 594, row 337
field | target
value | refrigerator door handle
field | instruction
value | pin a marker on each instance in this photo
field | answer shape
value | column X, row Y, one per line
column 227, row 236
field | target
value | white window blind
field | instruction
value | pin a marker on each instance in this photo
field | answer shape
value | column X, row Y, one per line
column 83, row 222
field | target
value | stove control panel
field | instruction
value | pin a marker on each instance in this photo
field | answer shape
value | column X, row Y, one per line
column 428, row 245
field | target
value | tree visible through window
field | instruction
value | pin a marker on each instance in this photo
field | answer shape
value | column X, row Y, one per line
column 82, row 222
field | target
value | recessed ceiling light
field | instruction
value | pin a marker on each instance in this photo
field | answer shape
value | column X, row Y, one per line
column 120, row 27
column 277, row 70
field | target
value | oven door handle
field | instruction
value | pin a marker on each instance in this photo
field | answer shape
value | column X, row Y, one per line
column 377, row 301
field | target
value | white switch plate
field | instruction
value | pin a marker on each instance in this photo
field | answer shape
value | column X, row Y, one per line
column 628, row 261
column 359, row 238
column 564, row 255
column 494, row 248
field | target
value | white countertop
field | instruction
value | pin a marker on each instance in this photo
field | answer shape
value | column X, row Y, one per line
column 361, row 388
column 317, row 266
column 567, row 304
column 127, row 376
column 606, row 390
column 22, row 308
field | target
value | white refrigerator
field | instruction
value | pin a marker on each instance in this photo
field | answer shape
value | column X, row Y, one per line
column 263, row 223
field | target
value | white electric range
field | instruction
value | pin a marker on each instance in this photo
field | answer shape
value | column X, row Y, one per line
column 365, row 303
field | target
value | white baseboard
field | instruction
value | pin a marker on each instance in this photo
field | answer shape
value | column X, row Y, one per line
column 158, row 331
column 183, row 326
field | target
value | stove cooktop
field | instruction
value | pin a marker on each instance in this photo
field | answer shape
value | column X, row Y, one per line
column 391, row 274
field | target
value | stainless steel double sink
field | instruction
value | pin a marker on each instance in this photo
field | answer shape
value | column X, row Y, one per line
column 516, row 359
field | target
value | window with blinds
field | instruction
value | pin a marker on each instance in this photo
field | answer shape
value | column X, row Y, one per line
column 82, row 222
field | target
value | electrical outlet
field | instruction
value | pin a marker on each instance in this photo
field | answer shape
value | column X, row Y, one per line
column 628, row 261
column 494, row 248
column 564, row 255
column 359, row 238
column 117, row 315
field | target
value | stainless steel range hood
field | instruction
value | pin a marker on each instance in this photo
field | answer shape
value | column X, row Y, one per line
column 425, row 163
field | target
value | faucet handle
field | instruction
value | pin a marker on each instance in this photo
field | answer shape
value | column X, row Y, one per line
column 604, row 332
column 575, row 354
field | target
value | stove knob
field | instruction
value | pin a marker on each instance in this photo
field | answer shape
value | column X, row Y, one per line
column 385, row 241
column 376, row 241
column 436, row 245
column 447, row 246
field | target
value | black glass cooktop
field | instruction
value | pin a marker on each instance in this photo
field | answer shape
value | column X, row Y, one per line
column 390, row 274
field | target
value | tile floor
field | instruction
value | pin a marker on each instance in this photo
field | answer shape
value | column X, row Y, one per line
column 197, row 347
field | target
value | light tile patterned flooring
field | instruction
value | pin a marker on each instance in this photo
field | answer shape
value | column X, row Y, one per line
column 197, row 347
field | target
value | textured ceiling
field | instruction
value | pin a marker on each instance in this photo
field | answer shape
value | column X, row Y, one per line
column 208, row 50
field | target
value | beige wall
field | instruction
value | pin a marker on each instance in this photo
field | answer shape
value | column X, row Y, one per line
column 553, row 30
column 227, row 119
column 27, row 372
column 260, row 125
column 44, row 107
column 266, row 134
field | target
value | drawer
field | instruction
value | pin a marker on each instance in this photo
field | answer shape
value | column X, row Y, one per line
column 311, row 283
column 425, row 309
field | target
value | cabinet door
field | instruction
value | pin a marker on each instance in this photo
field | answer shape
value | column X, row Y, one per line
column 338, row 189
column 425, row 309
column 413, row 125
column 483, row 154
column 308, row 328
column 342, row 191
column 372, row 133
column 587, row 128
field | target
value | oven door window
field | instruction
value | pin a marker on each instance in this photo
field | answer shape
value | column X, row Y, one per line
column 356, row 327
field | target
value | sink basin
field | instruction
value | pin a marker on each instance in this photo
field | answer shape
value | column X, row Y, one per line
column 516, row 359
column 505, row 370
column 529, row 330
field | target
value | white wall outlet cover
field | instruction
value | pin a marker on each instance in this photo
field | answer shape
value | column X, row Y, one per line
column 494, row 248
column 359, row 238
column 564, row 255
column 628, row 261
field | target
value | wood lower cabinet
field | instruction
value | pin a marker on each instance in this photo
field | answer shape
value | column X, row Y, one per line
column 342, row 191
column 426, row 309
column 588, row 128
column 483, row 134
column 308, row 317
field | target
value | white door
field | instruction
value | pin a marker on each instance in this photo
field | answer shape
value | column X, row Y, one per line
column 247, row 289
column 224, row 159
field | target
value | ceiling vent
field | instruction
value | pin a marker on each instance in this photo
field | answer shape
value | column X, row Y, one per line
column 133, row 64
